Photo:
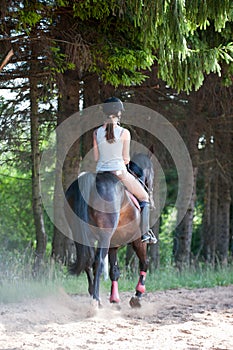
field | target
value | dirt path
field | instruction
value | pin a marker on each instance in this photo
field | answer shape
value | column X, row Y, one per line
column 177, row 319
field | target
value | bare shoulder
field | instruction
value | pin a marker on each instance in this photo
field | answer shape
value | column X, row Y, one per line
column 126, row 134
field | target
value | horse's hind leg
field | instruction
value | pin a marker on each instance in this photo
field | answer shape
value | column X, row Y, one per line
column 114, row 275
column 141, row 251
column 89, row 273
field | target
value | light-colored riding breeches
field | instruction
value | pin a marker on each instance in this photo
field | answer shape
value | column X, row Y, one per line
column 133, row 185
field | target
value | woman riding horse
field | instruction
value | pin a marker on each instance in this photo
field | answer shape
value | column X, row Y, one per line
column 106, row 216
column 112, row 153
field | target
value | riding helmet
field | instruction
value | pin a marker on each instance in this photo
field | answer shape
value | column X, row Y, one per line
column 112, row 105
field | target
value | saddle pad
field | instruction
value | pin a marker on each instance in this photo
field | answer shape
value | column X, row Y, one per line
column 134, row 199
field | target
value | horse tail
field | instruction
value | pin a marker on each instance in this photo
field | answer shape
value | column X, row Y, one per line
column 85, row 257
column 78, row 196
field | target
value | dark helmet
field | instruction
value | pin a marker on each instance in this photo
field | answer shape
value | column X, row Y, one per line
column 112, row 105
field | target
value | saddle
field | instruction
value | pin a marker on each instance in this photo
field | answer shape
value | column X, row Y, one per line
column 131, row 196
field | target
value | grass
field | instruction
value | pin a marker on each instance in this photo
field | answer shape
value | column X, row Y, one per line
column 205, row 277
column 170, row 278
column 16, row 283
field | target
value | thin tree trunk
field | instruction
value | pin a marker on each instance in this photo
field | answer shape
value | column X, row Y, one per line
column 223, row 235
column 153, row 250
column 183, row 236
column 91, row 97
column 62, row 246
column 210, row 218
column 182, row 242
column 206, row 234
column 224, row 141
column 41, row 237
column 214, row 197
column 231, row 238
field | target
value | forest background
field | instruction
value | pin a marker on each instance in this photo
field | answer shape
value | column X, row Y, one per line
column 175, row 57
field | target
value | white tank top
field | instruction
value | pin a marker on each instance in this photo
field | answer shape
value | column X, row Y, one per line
column 110, row 154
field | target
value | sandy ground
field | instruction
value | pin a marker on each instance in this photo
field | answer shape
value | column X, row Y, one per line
column 175, row 319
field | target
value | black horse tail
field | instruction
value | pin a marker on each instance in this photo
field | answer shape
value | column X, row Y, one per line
column 78, row 196
column 84, row 259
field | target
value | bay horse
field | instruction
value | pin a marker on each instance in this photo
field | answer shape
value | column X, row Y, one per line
column 108, row 217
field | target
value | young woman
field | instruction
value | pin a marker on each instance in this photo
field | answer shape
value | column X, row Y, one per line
column 111, row 144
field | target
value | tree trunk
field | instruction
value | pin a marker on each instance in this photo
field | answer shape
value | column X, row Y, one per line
column 210, row 217
column 62, row 246
column 91, row 97
column 41, row 237
column 223, row 234
column 153, row 250
column 231, row 230
column 183, row 235
column 224, row 147
column 183, row 238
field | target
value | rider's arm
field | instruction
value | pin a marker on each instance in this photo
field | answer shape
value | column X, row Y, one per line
column 126, row 146
column 95, row 147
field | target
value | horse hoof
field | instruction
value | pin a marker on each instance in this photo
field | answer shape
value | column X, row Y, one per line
column 96, row 304
column 114, row 300
column 135, row 302
column 116, row 306
column 100, row 305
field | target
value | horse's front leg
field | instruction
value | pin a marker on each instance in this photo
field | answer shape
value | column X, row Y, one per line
column 141, row 251
column 114, row 275
column 98, row 268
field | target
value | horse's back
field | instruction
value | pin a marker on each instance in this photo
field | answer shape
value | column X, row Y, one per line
column 104, row 209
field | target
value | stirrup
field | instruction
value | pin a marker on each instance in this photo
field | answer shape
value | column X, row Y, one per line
column 149, row 237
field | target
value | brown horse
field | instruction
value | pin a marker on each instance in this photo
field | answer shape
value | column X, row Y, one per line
column 107, row 218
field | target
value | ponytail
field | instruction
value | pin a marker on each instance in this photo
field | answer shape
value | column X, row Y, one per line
column 109, row 133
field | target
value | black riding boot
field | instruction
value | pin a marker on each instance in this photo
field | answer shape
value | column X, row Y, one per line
column 147, row 234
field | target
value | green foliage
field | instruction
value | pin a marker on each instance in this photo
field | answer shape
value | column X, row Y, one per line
column 60, row 61
column 166, row 237
column 98, row 9
column 191, row 49
column 202, row 12
column 187, row 38
column 28, row 19
column 190, row 38
column 16, row 223
column 188, row 44
column 122, row 65
column 28, row 14
column 17, row 229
